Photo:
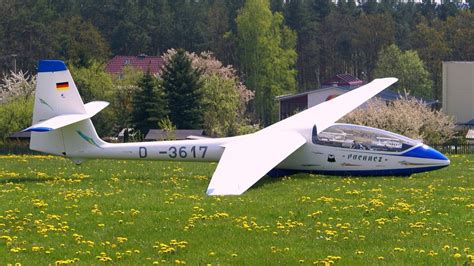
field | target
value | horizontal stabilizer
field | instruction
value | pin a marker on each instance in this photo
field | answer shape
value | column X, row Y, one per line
column 60, row 121
column 247, row 160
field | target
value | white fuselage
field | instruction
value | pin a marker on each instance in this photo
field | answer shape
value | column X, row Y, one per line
column 309, row 158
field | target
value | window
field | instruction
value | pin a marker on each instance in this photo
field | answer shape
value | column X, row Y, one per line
column 363, row 138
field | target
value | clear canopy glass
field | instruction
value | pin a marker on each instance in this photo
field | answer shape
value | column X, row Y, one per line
column 362, row 138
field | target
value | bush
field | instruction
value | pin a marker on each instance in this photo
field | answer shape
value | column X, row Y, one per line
column 16, row 103
column 406, row 116
column 15, row 116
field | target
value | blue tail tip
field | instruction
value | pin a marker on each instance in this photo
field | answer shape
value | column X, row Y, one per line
column 51, row 66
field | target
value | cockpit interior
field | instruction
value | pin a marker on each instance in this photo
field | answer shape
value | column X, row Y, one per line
column 362, row 138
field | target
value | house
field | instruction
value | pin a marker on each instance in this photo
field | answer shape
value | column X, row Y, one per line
column 142, row 62
column 458, row 92
column 337, row 85
column 470, row 136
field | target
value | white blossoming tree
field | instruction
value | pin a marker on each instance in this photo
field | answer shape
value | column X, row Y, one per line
column 407, row 116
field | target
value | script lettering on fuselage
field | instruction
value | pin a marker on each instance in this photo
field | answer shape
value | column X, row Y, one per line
column 364, row 157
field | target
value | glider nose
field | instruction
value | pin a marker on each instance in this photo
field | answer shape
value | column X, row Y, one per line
column 431, row 153
column 426, row 152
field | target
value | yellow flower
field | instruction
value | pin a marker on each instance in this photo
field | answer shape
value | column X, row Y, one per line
column 457, row 255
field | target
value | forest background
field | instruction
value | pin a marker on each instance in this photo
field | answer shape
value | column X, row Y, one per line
column 275, row 47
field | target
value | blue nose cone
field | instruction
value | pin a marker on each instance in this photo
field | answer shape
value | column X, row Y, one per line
column 426, row 152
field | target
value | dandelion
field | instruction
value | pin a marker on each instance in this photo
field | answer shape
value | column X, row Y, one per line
column 122, row 239
column 359, row 252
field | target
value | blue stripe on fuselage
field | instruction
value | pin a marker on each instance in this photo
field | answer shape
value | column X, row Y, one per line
column 378, row 172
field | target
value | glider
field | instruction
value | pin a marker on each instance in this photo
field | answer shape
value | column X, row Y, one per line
column 309, row 141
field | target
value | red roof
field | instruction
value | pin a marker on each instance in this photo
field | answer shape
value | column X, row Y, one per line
column 343, row 80
column 143, row 62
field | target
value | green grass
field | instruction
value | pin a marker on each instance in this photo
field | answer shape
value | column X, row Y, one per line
column 134, row 212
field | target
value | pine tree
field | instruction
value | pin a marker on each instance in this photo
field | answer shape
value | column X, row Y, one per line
column 183, row 86
column 149, row 104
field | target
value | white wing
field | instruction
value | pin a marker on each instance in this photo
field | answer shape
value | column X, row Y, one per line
column 248, row 159
column 327, row 113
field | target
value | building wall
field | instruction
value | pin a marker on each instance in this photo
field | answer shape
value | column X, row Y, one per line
column 458, row 90
column 318, row 97
column 289, row 107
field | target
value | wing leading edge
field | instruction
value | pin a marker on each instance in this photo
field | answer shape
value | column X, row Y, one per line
column 247, row 160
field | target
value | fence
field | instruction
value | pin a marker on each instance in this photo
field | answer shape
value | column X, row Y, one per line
column 17, row 149
column 455, row 148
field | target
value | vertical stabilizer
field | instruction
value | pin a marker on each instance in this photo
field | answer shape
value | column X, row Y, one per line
column 56, row 95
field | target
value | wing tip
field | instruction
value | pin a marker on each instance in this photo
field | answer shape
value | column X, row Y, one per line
column 391, row 80
column 210, row 191
column 217, row 192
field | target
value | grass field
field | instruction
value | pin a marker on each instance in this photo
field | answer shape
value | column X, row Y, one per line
column 134, row 212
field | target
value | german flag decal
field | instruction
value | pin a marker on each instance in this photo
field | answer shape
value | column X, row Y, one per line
column 62, row 86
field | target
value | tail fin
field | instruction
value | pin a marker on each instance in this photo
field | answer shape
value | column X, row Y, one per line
column 61, row 121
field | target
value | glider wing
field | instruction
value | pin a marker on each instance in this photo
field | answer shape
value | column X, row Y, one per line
column 247, row 160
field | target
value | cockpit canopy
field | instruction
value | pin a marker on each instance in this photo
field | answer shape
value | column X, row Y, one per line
column 362, row 138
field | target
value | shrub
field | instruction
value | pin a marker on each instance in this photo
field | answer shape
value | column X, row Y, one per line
column 407, row 116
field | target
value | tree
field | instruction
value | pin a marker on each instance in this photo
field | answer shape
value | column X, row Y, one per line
column 337, row 41
column 432, row 47
column 459, row 34
column 94, row 84
column 125, row 86
column 224, row 97
column 406, row 116
column 407, row 67
column 308, row 45
column 149, row 104
column 372, row 33
column 16, row 107
column 218, row 26
column 80, row 42
column 267, row 56
column 182, row 84
column 17, row 85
